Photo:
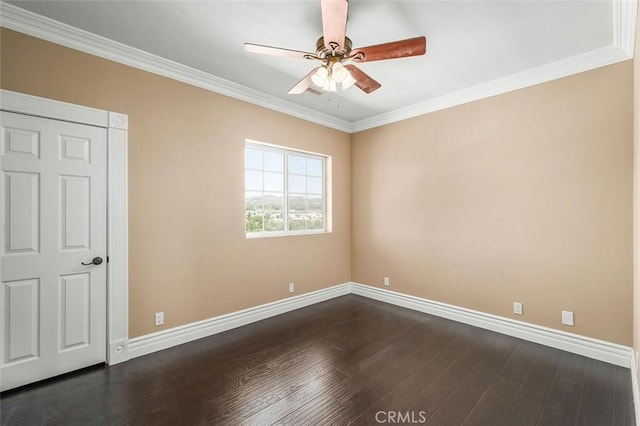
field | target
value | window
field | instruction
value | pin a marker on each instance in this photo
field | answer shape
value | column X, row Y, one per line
column 284, row 191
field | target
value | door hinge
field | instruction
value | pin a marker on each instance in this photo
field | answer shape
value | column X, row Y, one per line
column 107, row 259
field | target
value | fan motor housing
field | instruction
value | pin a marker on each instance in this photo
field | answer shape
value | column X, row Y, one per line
column 323, row 51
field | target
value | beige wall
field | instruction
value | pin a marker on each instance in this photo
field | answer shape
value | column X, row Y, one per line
column 188, row 252
column 522, row 197
column 636, row 192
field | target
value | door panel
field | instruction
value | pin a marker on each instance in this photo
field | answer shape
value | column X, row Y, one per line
column 75, row 149
column 22, row 299
column 75, row 214
column 74, row 310
column 53, row 190
column 22, row 224
column 22, row 142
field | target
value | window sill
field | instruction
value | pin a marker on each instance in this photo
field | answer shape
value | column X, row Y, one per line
column 255, row 235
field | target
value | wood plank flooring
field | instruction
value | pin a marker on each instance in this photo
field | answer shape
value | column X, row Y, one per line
column 350, row 360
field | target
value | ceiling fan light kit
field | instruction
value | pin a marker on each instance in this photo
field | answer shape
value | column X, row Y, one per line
column 327, row 77
column 334, row 48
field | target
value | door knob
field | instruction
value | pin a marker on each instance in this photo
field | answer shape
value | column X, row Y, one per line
column 95, row 261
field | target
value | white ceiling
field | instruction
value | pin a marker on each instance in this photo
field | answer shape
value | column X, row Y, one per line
column 469, row 43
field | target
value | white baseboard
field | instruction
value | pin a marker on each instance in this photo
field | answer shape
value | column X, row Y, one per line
column 634, row 386
column 574, row 343
column 164, row 339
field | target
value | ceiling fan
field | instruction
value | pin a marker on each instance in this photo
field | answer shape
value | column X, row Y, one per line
column 334, row 48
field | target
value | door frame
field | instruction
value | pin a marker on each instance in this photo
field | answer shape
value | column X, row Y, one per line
column 116, row 125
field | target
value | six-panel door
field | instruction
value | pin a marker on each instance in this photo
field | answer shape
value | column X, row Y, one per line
column 53, row 191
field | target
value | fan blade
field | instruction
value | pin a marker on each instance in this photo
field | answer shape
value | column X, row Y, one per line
column 363, row 81
column 277, row 51
column 395, row 49
column 334, row 22
column 303, row 84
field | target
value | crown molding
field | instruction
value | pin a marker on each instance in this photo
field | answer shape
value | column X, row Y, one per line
column 562, row 68
column 624, row 34
column 24, row 21
column 624, row 27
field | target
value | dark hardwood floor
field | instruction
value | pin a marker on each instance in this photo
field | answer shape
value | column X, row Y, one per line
column 347, row 360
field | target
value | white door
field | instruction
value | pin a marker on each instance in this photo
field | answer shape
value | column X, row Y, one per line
column 53, row 216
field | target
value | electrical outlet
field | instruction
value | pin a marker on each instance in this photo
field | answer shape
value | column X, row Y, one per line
column 159, row 318
column 386, row 281
column 567, row 318
column 292, row 287
column 517, row 308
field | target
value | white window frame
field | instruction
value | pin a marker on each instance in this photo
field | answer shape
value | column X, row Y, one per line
column 285, row 202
